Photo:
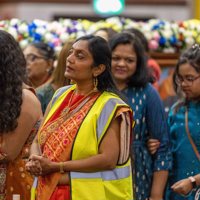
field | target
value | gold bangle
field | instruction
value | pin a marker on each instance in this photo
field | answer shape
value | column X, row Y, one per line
column 61, row 168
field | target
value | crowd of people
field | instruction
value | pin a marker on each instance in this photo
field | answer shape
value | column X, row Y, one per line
column 91, row 124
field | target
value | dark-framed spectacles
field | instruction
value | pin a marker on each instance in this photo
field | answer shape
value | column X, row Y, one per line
column 187, row 80
column 33, row 57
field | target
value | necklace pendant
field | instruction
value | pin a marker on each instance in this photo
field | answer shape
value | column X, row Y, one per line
column 66, row 110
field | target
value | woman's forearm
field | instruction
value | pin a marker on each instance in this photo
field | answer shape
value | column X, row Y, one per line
column 94, row 163
column 158, row 184
column 35, row 149
column 105, row 159
column 185, row 186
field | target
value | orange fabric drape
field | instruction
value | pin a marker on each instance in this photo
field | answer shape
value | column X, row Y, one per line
column 61, row 193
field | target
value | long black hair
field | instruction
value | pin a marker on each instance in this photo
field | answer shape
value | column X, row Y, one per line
column 12, row 74
column 142, row 74
column 100, row 51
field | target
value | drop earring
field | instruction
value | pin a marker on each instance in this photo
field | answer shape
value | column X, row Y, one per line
column 95, row 84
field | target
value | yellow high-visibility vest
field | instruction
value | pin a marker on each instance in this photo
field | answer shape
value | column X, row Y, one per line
column 113, row 184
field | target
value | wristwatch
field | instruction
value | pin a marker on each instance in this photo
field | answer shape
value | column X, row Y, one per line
column 193, row 181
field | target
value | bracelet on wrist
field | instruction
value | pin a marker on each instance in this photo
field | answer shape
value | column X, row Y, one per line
column 61, row 168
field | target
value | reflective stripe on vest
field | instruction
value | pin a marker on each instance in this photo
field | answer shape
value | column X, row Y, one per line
column 58, row 93
column 105, row 114
column 117, row 173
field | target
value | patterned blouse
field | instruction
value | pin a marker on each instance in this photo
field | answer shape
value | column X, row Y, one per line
column 150, row 123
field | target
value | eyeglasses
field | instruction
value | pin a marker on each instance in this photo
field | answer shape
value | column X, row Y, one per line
column 33, row 57
column 187, row 80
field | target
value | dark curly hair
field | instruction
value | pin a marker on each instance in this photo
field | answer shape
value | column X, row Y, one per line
column 12, row 74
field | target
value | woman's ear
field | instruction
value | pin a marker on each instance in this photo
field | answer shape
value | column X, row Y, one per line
column 98, row 70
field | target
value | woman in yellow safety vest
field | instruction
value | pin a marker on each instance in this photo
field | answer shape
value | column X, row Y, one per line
column 82, row 149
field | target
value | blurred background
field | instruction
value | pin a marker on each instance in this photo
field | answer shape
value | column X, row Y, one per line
column 76, row 9
column 170, row 26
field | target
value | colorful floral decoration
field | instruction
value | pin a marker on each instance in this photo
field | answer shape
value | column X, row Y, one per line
column 163, row 36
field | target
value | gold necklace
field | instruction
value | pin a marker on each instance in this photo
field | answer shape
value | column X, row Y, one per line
column 70, row 107
column 67, row 108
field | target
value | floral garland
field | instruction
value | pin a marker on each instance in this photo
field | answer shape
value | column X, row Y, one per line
column 162, row 35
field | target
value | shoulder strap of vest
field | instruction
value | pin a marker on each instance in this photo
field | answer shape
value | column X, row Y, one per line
column 58, row 93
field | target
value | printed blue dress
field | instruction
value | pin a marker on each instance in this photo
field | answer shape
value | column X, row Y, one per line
column 150, row 123
column 185, row 162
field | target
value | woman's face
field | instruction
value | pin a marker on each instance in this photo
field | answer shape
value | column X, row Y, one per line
column 124, row 62
column 37, row 66
column 189, row 80
column 79, row 64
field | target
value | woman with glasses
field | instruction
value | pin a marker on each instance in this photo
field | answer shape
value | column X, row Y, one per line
column 57, row 80
column 39, row 63
column 184, row 121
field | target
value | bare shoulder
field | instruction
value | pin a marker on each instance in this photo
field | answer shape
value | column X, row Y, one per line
column 29, row 116
column 31, row 104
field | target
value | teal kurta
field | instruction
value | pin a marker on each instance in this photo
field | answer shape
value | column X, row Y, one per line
column 185, row 162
